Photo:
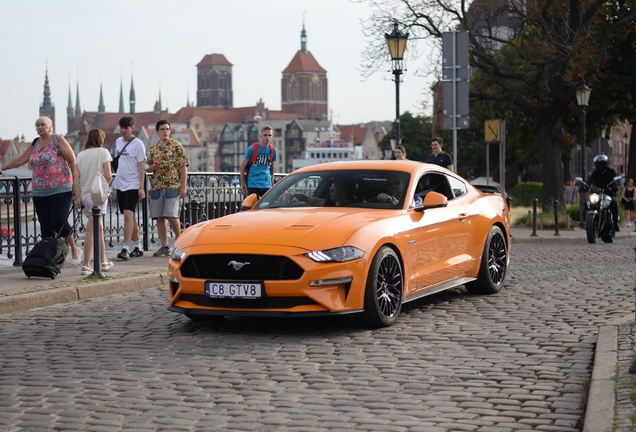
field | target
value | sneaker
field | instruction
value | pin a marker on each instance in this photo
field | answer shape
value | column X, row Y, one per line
column 107, row 265
column 136, row 253
column 628, row 224
column 123, row 254
column 78, row 260
column 163, row 251
column 617, row 227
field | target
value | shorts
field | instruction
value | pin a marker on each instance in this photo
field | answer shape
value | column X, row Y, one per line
column 127, row 200
column 165, row 203
column 87, row 206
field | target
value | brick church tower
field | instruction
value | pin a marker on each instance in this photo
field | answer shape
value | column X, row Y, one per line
column 304, row 84
column 47, row 108
column 214, row 82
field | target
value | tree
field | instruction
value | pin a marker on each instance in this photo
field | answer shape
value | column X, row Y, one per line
column 531, row 55
column 416, row 134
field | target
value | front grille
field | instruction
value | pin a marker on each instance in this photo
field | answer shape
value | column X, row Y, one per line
column 264, row 303
column 260, row 267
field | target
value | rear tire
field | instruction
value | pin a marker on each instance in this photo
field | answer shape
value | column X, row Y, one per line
column 384, row 290
column 590, row 228
column 494, row 262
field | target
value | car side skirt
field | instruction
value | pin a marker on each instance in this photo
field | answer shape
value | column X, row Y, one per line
column 241, row 313
column 443, row 287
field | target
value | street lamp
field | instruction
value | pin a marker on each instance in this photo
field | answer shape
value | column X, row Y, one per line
column 582, row 98
column 388, row 151
column 397, row 45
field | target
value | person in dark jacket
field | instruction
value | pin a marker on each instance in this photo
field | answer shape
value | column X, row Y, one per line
column 601, row 177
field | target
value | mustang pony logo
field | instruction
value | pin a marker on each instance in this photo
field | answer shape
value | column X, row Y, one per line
column 237, row 265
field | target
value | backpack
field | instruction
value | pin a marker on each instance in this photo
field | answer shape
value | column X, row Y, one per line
column 255, row 146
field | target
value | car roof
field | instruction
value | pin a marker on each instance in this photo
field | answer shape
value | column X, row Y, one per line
column 402, row 165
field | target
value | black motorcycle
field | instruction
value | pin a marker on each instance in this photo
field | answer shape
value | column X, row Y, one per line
column 599, row 221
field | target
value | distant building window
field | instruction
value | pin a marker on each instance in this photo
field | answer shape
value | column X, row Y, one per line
column 196, row 126
column 278, row 133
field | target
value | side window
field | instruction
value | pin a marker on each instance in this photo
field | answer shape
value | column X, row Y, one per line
column 459, row 187
column 432, row 182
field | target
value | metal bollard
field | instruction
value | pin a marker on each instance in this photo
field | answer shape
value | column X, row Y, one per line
column 556, row 218
column 194, row 212
column 97, row 260
column 534, row 217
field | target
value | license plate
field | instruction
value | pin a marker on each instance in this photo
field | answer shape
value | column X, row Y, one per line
column 240, row 290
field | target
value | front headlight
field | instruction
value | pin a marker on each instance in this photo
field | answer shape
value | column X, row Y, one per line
column 177, row 254
column 340, row 254
column 594, row 198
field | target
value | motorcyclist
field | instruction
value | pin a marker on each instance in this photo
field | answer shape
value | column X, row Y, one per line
column 601, row 177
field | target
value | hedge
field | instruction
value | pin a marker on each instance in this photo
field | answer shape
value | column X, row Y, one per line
column 527, row 191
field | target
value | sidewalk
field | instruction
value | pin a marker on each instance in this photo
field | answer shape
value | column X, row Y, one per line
column 605, row 410
column 17, row 292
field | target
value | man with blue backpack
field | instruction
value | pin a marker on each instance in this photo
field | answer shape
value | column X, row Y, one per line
column 257, row 168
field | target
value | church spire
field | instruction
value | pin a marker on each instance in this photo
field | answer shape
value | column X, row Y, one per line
column 46, row 103
column 121, row 95
column 47, row 108
column 101, row 108
column 132, row 95
column 303, row 39
column 78, row 109
column 69, row 106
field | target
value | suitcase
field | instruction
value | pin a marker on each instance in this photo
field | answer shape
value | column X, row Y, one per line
column 47, row 256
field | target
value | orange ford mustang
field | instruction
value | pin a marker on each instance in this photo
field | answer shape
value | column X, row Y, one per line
column 358, row 237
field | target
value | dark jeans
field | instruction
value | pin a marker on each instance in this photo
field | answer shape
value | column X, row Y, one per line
column 53, row 212
column 258, row 191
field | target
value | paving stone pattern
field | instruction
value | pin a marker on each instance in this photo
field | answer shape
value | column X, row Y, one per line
column 515, row 361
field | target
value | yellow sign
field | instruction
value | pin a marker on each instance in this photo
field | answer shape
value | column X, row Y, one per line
column 493, row 131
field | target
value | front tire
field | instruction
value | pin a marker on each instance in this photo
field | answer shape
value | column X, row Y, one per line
column 494, row 262
column 384, row 290
column 590, row 228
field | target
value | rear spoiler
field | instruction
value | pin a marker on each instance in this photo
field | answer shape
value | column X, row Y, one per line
column 488, row 188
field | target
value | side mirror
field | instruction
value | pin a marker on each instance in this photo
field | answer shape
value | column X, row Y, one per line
column 578, row 179
column 249, row 201
column 434, row 200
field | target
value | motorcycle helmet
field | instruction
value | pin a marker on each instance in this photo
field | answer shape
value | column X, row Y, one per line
column 601, row 161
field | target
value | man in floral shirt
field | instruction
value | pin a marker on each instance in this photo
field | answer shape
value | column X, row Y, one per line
column 168, row 163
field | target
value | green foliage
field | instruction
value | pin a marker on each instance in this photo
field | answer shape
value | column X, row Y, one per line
column 527, row 191
column 416, row 133
column 574, row 211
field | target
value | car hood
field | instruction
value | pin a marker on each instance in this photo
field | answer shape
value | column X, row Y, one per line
column 313, row 228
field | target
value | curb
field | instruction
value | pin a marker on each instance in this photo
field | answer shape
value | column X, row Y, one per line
column 78, row 291
column 526, row 239
column 599, row 413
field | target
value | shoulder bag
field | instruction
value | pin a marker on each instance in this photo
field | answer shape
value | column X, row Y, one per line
column 100, row 190
column 114, row 164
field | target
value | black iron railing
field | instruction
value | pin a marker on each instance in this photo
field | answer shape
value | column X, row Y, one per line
column 216, row 195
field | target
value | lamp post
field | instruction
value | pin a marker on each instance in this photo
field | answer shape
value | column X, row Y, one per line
column 397, row 45
column 625, row 149
column 582, row 98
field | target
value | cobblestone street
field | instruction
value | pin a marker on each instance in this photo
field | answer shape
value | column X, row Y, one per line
column 517, row 360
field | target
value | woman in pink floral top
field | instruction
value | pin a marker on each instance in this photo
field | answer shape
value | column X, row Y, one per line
column 51, row 160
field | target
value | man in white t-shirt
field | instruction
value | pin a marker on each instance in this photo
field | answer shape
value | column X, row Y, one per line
column 129, row 184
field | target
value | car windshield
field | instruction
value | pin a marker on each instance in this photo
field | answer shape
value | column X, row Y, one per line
column 338, row 188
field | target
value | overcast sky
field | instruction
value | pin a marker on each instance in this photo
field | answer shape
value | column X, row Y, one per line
column 162, row 41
